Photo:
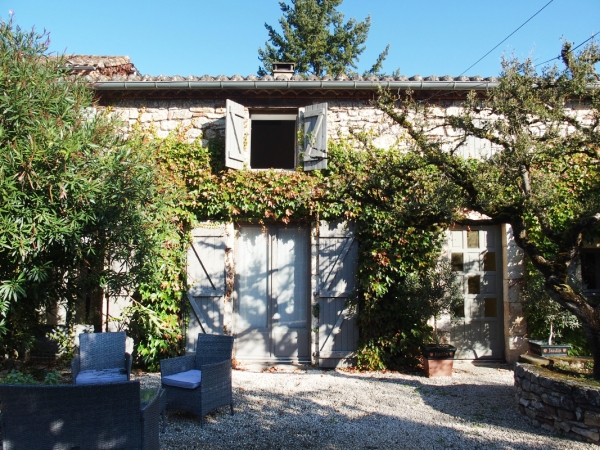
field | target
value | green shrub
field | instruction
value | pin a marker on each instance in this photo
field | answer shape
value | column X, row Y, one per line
column 547, row 319
column 18, row 377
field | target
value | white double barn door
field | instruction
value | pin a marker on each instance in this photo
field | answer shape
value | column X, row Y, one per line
column 272, row 286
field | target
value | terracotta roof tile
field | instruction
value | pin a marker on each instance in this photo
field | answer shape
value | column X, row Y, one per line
column 120, row 68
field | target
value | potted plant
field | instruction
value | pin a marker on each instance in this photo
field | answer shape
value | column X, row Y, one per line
column 438, row 292
column 545, row 318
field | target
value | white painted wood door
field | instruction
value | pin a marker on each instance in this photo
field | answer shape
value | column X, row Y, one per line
column 477, row 331
column 206, row 281
column 272, row 293
column 338, row 254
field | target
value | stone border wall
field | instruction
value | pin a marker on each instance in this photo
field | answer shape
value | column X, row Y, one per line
column 205, row 119
column 569, row 407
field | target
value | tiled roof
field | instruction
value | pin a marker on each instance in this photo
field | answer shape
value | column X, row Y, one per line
column 95, row 67
column 237, row 77
column 97, row 61
column 120, row 68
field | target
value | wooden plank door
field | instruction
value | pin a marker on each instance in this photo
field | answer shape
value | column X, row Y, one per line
column 206, row 281
column 253, row 319
column 477, row 331
column 290, row 292
column 338, row 254
column 272, row 293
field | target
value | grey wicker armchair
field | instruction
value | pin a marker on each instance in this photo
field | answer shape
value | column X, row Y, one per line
column 200, row 382
column 83, row 417
column 102, row 359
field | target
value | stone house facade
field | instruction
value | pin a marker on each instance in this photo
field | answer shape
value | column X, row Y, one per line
column 287, row 301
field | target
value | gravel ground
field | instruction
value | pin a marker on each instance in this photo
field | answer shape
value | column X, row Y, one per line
column 295, row 408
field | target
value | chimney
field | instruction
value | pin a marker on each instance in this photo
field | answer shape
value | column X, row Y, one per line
column 283, row 70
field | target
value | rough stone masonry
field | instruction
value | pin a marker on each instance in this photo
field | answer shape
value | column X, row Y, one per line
column 566, row 406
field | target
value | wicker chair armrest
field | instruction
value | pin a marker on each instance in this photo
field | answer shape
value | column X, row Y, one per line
column 215, row 374
column 128, row 365
column 176, row 365
column 75, row 368
column 150, row 423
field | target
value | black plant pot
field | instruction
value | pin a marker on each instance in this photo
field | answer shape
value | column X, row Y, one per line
column 441, row 351
column 541, row 348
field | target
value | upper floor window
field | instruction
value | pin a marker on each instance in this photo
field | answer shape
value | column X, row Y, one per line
column 270, row 139
column 273, row 141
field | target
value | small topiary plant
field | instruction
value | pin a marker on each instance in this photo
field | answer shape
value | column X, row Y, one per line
column 435, row 292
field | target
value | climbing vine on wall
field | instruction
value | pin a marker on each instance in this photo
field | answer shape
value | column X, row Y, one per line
column 370, row 186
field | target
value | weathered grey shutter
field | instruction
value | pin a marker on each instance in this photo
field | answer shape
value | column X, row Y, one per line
column 315, row 137
column 235, row 153
column 338, row 253
column 206, row 281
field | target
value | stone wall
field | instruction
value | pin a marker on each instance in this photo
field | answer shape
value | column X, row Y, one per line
column 205, row 119
column 551, row 401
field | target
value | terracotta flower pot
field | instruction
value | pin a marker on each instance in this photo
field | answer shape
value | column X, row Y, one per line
column 439, row 359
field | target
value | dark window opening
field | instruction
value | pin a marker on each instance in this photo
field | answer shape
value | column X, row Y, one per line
column 273, row 144
column 489, row 262
column 474, row 285
column 590, row 270
column 490, row 308
column 457, row 262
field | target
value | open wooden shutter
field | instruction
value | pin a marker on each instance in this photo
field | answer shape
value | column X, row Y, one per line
column 315, row 137
column 206, row 281
column 235, row 153
column 338, row 334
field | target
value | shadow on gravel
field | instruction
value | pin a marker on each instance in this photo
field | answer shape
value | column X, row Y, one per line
column 331, row 417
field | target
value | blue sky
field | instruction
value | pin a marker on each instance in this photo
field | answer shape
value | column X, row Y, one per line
column 197, row 37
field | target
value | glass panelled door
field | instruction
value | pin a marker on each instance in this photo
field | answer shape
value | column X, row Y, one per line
column 272, row 289
column 477, row 329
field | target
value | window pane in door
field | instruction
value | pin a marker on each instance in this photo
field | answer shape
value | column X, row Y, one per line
column 474, row 285
column 472, row 239
column 489, row 261
column 252, row 260
column 291, row 277
column 457, row 262
column 458, row 310
column 490, row 309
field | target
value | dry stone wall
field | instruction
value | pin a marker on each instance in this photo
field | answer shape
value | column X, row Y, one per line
column 205, row 119
column 566, row 406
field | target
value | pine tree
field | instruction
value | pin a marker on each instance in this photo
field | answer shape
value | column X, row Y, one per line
column 317, row 40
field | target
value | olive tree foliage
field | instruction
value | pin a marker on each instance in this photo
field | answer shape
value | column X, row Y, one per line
column 542, row 173
column 72, row 194
column 316, row 38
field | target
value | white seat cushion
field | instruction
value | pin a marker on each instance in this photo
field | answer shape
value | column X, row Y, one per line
column 101, row 376
column 187, row 380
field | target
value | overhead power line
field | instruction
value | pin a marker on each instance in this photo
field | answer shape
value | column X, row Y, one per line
column 503, row 40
